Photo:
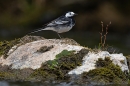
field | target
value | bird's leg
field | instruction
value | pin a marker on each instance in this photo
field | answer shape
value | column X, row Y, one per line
column 59, row 35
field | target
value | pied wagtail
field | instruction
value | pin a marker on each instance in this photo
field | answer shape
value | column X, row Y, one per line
column 60, row 25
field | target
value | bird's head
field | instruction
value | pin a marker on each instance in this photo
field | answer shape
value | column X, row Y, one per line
column 70, row 14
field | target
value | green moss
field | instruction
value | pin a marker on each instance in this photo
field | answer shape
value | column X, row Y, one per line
column 42, row 74
column 107, row 63
column 5, row 46
column 103, row 62
column 101, row 73
column 58, row 68
column 6, row 75
column 52, row 64
column 64, row 53
column 106, row 71
column 117, row 71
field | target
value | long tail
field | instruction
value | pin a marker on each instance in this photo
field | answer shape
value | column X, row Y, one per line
column 40, row 29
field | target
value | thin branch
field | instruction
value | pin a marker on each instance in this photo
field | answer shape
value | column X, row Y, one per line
column 103, row 35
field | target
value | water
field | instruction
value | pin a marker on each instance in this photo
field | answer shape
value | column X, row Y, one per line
column 11, row 83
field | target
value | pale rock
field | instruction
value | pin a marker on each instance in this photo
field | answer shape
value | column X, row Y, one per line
column 89, row 61
column 26, row 56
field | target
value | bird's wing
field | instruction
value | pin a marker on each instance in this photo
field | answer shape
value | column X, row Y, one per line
column 58, row 21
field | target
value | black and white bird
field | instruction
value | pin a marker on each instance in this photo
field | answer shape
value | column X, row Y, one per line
column 60, row 25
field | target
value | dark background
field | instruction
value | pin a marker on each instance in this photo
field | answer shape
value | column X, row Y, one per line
column 19, row 17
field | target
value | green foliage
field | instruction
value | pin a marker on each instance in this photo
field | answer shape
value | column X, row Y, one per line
column 52, row 64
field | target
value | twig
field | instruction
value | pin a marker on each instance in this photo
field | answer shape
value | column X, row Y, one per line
column 103, row 35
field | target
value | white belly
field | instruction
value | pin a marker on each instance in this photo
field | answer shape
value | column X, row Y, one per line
column 64, row 29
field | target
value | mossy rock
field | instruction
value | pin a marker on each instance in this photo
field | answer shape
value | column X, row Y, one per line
column 5, row 46
column 58, row 68
column 6, row 75
column 64, row 53
column 102, row 73
column 103, row 62
column 128, row 61
column 107, row 63
column 105, row 73
column 117, row 71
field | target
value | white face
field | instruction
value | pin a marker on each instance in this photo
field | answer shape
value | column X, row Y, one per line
column 69, row 14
